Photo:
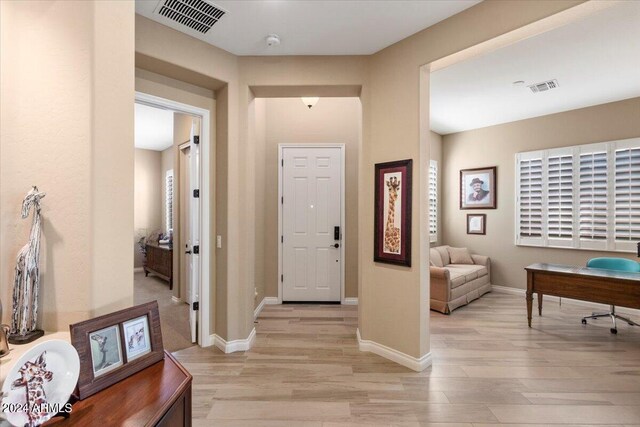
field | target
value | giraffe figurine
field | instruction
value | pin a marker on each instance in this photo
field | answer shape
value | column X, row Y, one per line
column 391, row 232
column 27, row 276
column 33, row 376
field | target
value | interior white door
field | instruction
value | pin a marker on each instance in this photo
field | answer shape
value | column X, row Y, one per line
column 311, row 211
column 194, row 228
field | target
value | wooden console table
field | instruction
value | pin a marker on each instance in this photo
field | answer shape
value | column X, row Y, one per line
column 160, row 261
column 159, row 395
column 588, row 284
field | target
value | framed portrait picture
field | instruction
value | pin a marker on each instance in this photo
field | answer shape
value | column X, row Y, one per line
column 392, row 234
column 106, row 350
column 476, row 224
column 478, row 188
column 136, row 337
column 116, row 345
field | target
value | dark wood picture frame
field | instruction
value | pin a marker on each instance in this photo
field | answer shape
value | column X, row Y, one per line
column 467, row 176
column 404, row 168
column 88, row 383
column 484, row 224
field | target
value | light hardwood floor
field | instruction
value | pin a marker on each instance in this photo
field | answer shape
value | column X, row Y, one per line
column 488, row 369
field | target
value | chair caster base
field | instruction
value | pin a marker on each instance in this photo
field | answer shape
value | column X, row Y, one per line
column 584, row 321
column 614, row 331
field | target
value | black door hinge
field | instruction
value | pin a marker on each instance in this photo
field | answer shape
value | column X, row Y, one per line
column 282, row 278
column 282, row 200
column 196, row 194
column 196, row 139
column 196, row 306
column 282, row 162
column 281, row 239
column 196, row 249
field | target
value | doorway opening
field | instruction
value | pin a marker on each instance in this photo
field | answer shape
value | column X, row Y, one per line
column 171, row 217
column 306, row 171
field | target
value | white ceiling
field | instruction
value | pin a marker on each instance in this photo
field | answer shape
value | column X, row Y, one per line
column 153, row 128
column 316, row 27
column 595, row 60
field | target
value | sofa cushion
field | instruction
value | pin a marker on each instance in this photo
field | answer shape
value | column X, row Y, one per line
column 435, row 259
column 460, row 256
column 444, row 254
column 463, row 273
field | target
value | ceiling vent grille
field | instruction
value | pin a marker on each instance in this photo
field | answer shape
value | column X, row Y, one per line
column 544, row 86
column 198, row 15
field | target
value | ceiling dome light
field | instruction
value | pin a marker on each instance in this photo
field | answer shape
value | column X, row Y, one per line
column 310, row 101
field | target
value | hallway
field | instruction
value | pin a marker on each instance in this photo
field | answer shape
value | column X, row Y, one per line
column 488, row 368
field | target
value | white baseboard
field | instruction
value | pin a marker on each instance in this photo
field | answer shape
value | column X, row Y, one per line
column 138, row 270
column 258, row 309
column 271, row 300
column 400, row 358
column 350, row 301
column 593, row 305
column 235, row 345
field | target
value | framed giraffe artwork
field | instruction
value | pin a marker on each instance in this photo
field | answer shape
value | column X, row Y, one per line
column 117, row 345
column 392, row 234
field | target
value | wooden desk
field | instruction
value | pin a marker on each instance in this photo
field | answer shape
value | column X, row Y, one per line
column 588, row 284
column 159, row 395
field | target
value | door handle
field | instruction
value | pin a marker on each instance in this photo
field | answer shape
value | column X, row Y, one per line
column 187, row 252
column 336, row 245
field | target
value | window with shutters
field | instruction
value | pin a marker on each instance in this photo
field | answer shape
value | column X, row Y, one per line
column 433, row 201
column 627, row 194
column 560, row 197
column 581, row 197
column 168, row 201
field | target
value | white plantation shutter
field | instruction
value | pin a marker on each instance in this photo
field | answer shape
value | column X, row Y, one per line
column 168, row 202
column 433, row 201
column 627, row 194
column 581, row 197
column 593, row 198
column 560, row 197
column 530, row 199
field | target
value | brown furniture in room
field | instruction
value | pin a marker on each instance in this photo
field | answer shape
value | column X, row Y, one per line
column 159, row 261
column 159, row 395
column 609, row 287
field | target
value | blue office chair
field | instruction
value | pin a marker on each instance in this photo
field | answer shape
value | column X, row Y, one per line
column 618, row 264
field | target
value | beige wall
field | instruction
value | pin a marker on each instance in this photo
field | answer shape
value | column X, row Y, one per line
column 148, row 198
column 497, row 146
column 67, row 126
column 289, row 121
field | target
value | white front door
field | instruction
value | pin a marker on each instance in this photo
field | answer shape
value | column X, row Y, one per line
column 311, row 223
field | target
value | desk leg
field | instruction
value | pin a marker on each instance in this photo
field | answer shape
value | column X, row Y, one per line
column 529, row 306
column 539, row 304
column 529, row 296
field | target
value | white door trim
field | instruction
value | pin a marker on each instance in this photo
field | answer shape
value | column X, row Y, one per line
column 204, row 334
column 342, row 212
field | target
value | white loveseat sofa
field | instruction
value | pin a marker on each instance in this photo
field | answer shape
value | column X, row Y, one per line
column 456, row 284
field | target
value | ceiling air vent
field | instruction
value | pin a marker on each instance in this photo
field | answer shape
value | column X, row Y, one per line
column 199, row 15
column 544, row 86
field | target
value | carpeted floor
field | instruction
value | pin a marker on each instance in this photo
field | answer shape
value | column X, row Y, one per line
column 174, row 317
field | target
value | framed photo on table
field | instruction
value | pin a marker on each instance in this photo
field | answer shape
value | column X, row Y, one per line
column 392, row 217
column 115, row 346
column 478, row 188
column 477, row 224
